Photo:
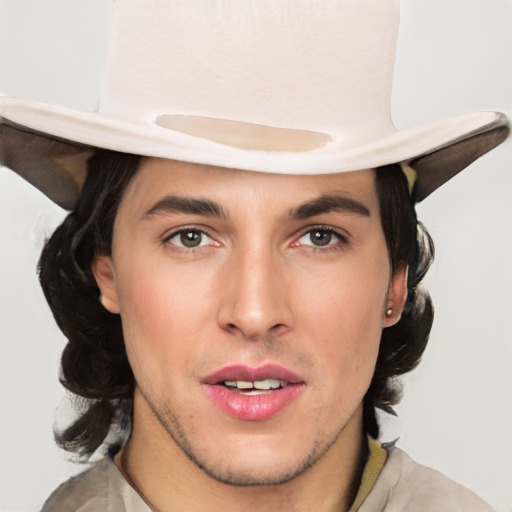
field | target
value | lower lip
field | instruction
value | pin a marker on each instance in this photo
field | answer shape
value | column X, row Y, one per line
column 252, row 408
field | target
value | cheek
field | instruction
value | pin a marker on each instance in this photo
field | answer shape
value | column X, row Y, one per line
column 162, row 308
column 345, row 316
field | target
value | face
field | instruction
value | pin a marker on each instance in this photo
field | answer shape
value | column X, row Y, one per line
column 252, row 307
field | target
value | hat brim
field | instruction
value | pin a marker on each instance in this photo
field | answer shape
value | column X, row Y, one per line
column 57, row 142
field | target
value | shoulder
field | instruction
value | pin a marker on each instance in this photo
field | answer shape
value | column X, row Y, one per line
column 405, row 485
column 87, row 491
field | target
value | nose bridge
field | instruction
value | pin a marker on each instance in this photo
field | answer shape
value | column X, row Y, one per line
column 255, row 296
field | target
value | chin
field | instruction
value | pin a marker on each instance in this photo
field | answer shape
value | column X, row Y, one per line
column 254, row 460
column 246, row 460
column 251, row 453
column 246, row 473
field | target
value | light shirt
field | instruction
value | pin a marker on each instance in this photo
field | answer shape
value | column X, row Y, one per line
column 391, row 482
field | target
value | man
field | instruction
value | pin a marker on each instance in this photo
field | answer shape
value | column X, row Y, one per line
column 354, row 192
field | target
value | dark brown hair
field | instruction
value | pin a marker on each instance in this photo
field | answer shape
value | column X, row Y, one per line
column 94, row 365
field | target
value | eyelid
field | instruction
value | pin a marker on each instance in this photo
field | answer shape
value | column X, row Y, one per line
column 341, row 234
column 183, row 229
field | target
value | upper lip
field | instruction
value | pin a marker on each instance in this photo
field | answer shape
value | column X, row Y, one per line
column 250, row 374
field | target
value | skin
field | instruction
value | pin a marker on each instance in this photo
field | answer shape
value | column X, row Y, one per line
column 258, row 288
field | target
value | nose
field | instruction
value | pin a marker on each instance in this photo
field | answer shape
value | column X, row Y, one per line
column 255, row 301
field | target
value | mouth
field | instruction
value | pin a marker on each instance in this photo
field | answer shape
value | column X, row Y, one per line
column 254, row 388
column 253, row 394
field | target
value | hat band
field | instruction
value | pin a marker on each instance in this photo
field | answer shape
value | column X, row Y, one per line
column 244, row 135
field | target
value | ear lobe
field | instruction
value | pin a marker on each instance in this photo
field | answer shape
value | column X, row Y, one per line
column 103, row 271
column 397, row 295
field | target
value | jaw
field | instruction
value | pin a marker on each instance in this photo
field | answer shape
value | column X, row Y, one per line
column 268, row 448
column 259, row 470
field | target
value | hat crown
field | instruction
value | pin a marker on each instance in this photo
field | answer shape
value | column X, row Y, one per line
column 325, row 66
column 278, row 86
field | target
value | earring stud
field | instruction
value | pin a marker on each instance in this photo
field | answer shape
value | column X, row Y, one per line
column 389, row 312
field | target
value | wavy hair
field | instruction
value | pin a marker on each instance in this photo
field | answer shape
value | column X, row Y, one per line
column 94, row 364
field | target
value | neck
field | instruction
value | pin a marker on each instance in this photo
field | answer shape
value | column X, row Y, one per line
column 168, row 481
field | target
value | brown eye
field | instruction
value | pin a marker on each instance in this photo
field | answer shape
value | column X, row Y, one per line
column 191, row 238
column 320, row 237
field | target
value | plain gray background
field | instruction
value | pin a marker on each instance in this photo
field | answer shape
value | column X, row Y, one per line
column 453, row 56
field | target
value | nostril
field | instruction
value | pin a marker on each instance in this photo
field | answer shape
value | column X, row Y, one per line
column 254, row 323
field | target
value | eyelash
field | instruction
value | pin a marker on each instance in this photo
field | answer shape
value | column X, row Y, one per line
column 343, row 239
column 187, row 229
column 339, row 245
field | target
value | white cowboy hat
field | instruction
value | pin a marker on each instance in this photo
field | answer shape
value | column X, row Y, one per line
column 280, row 86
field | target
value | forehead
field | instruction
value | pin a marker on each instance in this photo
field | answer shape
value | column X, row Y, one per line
column 234, row 188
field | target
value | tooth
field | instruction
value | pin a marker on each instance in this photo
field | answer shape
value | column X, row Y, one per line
column 242, row 384
column 283, row 383
column 230, row 383
column 274, row 383
column 263, row 384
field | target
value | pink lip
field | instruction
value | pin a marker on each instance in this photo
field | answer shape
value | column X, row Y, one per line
column 258, row 407
column 242, row 372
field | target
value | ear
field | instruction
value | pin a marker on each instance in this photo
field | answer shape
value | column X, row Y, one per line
column 397, row 295
column 103, row 271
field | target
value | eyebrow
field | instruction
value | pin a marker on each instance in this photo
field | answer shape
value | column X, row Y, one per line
column 323, row 204
column 193, row 206
column 329, row 203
